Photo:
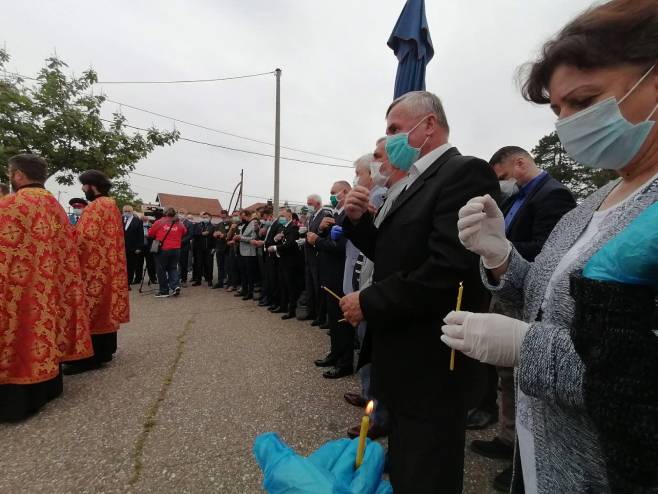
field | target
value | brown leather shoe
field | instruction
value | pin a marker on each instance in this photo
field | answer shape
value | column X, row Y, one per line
column 355, row 399
column 374, row 432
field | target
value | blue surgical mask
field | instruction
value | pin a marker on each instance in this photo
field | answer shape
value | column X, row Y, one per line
column 283, row 220
column 401, row 154
column 333, row 200
column 600, row 136
column 206, row 220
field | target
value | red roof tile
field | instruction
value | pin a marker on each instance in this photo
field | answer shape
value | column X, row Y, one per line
column 192, row 205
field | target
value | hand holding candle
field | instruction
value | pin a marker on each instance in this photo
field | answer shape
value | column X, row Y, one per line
column 365, row 425
column 459, row 307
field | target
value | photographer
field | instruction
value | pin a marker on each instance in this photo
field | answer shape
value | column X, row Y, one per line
column 169, row 232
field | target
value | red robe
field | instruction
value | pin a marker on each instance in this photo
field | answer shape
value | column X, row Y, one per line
column 43, row 316
column 102, row 252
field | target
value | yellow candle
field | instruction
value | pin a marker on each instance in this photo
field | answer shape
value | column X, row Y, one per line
column 459, row 307
column 365, row 424
column 330, row 292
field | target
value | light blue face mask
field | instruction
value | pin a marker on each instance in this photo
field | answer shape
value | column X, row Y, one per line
column 600, row 136
column 400, row 153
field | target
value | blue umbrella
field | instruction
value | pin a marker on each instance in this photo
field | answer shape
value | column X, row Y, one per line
column 412, row 45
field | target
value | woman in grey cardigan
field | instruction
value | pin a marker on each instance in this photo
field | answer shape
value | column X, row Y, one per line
column 599, row 76
column 248, row 233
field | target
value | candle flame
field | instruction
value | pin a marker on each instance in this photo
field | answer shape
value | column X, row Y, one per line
column 369, row 407
column 461, row 283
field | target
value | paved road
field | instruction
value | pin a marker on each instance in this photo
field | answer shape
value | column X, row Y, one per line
column 195, row 380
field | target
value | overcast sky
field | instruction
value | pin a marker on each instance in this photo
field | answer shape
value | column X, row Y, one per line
column 337, row 81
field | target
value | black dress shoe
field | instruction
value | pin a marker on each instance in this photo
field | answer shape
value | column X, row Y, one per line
column 216, row 286
column 285, row 317
column 248, row 296
column 280, row 311
column 324, row 326
column 495, row 449
column 328, row 361
column 337, row 372
column 239, row 294
column 273, row 308
column 480, row 419
column 355, row 399
column 503, row 481
column 316, row 322
column 196, row 283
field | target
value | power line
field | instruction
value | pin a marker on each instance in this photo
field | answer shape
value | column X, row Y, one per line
column 202, row 187
column 187, row 81
column 246, row 151
column 178, row 120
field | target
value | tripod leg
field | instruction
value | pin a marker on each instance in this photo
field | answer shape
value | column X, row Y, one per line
column 141, row 284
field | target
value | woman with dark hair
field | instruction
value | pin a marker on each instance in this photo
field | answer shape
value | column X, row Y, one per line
column 586, row 349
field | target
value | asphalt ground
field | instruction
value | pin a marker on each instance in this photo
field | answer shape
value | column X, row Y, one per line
column 195, row 380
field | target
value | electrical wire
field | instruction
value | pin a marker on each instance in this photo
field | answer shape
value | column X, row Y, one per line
column 246, row 151
column 187, row 81
column 178, row 120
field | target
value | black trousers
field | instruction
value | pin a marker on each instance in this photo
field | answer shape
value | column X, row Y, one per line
column 341, row 334
column 222, row 257
column 203, row 265
column 272, row 273
column 289, row 287
column 248, row 273
column 426, row 448
column 183, row 262
column 151, row 268
column 317, row 302
column 233, row 267
column 133, row 266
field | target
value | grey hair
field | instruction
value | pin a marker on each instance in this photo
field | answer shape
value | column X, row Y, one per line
column 381, row 139
column 315, row 197
column 421, row 103
column 364, row 162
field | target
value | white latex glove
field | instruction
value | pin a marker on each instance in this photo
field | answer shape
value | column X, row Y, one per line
column 481, row 228
column 301, row 241
column 271, row 248
column 490, row 338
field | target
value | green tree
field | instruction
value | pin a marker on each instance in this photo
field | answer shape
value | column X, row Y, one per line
column 123, row 194
column 59, row 118
column 551, row 156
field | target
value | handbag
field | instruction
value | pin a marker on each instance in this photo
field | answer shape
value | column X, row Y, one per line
column 156, row 246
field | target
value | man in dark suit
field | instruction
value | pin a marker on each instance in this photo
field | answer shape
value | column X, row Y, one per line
column 288, row 253
column 272, row 264
column 203, row 244
column 133, row 235
column 184, row 259
column 531, row 213
column 331, row 249
column 316, row 299
column 419, row 264
column 221, row 248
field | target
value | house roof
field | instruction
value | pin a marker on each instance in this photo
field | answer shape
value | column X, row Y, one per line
column 256, row 206
column 192, row 205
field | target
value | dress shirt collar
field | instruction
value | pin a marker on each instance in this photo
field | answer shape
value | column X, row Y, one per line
column 527, row 188
column 422, row 164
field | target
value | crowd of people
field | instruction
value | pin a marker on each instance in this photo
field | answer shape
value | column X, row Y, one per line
column 455, row 278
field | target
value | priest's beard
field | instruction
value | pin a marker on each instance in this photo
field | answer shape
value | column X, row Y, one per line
column 89, row 194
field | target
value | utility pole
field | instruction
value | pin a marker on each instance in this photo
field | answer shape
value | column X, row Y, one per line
column 241, row 184
column 277, row 139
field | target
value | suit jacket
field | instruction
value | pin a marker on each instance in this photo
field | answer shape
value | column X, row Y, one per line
column 311, row 252
column 332, row 257
column 203, row 242
column 134, row 235
column 535, row 220
column 419, row 263
column 249, row 232
column 287, row 247
column 220, row 243
column 189, row 226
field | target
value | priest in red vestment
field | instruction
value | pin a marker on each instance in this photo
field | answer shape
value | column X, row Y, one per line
column 43, row 316
column 99, row 236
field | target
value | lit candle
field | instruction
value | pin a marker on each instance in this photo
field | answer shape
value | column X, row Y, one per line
column 332, row 293
column 459, row 307
column 365, row 424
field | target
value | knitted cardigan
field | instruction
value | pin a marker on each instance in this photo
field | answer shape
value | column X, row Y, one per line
column 568, row 452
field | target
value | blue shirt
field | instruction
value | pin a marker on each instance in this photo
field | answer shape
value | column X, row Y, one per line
column 521, row 196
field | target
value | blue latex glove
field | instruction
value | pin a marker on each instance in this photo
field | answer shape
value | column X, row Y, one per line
column 632, row 256
column 328, row 470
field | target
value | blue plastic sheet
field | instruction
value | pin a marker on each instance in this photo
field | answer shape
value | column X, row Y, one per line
column 632, row 256
column 328, row 470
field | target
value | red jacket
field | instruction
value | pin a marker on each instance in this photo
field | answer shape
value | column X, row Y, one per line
column 175, row 236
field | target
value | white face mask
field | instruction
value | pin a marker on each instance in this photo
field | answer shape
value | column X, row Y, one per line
column 77, row 211
column 508, row 188
column 377, row 176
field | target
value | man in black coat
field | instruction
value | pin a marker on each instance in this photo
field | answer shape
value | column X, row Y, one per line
column 419, row 264
column 272, row 264
column 203, row 244
column 288, row 253
column 316, row 298
column 331, row 251
column 133, row 235
column 221, row 248
column 184, row 259
column 531, row 213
